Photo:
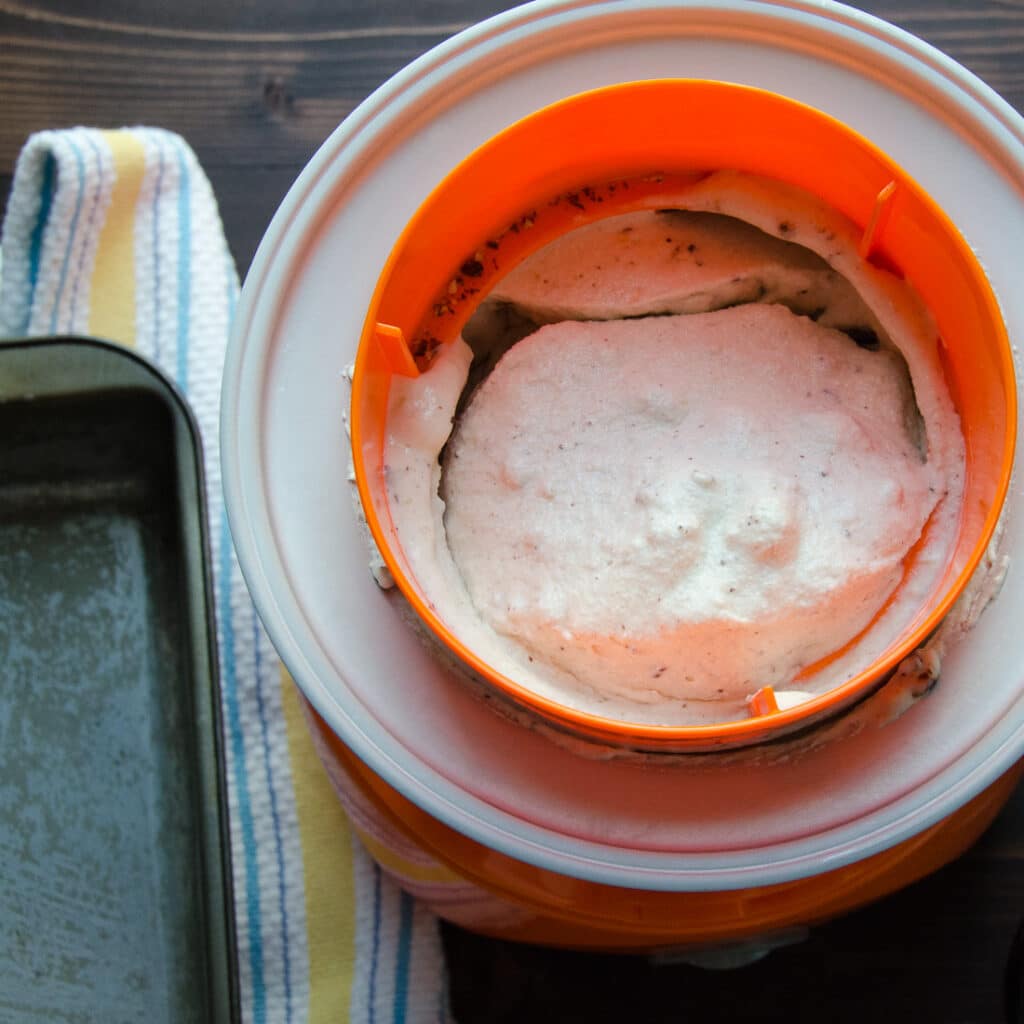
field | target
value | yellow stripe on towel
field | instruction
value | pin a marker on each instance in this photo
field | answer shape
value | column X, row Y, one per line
column 408, row 870
column 328, row 871
column 112, row 310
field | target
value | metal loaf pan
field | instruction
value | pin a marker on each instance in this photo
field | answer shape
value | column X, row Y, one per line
column 115, row 881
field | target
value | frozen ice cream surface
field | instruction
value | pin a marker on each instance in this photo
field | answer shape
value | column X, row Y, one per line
column 692, row 505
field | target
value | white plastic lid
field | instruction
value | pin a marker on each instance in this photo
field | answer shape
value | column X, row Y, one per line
column 285, row 455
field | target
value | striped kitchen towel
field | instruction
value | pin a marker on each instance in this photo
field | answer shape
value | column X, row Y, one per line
column 116, row 234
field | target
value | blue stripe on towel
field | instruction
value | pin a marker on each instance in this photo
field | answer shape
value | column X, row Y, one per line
column 184, row 263
column 35, row 245
column 229, row 685
column 276, row 819
column 442, row 1004
column 402, row 958
column 237, row 744
column 90, row 225
column 71, row 235
column 375, row 947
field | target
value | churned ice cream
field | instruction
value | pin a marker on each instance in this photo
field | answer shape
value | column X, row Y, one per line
column 700, row 451
column 697, row 504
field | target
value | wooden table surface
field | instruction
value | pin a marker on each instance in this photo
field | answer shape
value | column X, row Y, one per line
column 255, row 86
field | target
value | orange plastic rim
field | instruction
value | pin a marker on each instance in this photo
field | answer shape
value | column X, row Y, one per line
column 629, row 147
column 573, row 912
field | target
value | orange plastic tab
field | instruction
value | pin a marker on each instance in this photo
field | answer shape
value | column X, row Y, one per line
column 396, row 352
column 763, row 702
column 880, row 215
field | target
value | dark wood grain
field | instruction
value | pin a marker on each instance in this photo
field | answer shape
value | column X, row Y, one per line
column 255, row 86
